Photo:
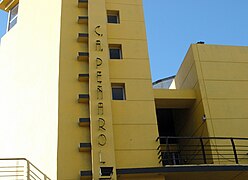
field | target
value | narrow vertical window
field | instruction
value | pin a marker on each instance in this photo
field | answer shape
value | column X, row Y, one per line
column 13, row 14
column 115, row 51
column 113, row 17
column 118, row 92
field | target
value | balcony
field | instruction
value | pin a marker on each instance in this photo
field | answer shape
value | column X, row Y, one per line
column 202, row 150
column 193, row 158
column 20, row 168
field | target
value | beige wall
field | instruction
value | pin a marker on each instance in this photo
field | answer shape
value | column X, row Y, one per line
column 29, row 56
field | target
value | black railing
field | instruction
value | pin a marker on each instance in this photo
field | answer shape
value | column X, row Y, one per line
column 202, row 150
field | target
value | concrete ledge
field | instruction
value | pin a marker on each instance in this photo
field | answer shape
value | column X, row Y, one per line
column 218, row 170
column 186, row 168
column 174, row 98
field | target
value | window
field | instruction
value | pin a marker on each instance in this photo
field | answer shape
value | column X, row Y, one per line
column 113, row 17
column 115, row 51
column 13, row 14
column 118, row 92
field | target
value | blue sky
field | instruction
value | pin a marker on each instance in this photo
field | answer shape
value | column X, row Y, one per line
column 172, row 25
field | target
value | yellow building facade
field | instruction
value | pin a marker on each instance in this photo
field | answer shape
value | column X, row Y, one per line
column 78, row 101
column 206, row 99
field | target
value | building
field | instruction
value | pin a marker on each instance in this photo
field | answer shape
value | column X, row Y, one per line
column 206, row 99
column 78, row 102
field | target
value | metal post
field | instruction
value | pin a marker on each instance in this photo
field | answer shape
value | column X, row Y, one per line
column 203, row 151
column 234, row 151
column 167, row 153
column 28, row 170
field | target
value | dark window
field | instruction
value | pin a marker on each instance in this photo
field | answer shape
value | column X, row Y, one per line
column 118, row 92
column 13, row 14
column 115, row 51
column 113, row 17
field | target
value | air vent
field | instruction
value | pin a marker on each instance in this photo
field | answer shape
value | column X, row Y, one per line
column 82, row 19
column 84, row 147
column 84, row 122
column 83, row 77
column 83, row 98
column 83, row 3
column 83, row 37
column 83, row 56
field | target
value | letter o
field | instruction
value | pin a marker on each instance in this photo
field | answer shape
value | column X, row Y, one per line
column 102, row 140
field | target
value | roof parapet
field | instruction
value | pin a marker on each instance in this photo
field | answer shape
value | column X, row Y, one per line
column 6, row 5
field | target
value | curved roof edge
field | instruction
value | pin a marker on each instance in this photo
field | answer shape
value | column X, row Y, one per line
column 164, row 79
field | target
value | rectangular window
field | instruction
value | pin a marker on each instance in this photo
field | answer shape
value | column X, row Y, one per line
column 118, row 91
column 113, row 17
column 115, row 51
column 13, row 14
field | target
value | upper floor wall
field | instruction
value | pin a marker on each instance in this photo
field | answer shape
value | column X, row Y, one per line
column 223, row 70
column 219, row 76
